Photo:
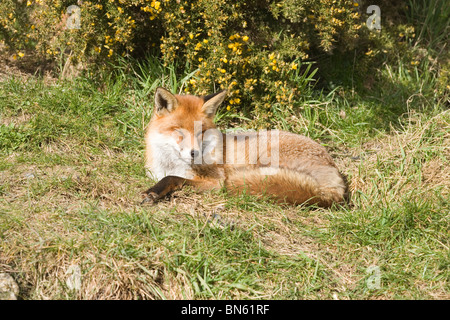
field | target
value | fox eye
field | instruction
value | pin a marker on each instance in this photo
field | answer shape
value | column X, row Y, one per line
column 179, row 135
column 200, row 134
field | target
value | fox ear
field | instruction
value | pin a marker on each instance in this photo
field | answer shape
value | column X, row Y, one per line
column 212, row 102
column 165, row 101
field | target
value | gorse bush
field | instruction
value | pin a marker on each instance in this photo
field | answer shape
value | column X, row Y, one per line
column 260, row 50
column 251, row 48
column 50, row 28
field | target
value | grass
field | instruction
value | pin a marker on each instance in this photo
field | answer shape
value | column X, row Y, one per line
column 71, row 172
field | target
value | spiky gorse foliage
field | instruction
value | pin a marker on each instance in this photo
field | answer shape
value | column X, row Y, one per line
column 247, row 47
column 257, row 49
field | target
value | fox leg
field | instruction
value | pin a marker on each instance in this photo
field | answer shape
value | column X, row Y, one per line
column 162, row 188
column 172, row 183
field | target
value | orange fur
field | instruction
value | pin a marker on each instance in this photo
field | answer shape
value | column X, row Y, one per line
column 305, row 172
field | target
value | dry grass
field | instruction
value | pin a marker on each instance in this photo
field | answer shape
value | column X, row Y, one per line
column 411, row 157
column 74, row 201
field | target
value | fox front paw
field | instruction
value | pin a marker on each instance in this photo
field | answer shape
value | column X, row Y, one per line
column 164, row 187
column 149, row 197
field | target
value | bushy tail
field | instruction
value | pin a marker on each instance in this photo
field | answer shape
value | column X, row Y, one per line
column 324, row 188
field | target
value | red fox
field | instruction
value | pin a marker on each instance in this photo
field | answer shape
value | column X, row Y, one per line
column 183, row 147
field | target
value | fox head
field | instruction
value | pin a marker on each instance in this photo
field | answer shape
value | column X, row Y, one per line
column 184, row 123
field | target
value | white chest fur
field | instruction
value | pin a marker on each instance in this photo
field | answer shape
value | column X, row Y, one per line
column 166, row 158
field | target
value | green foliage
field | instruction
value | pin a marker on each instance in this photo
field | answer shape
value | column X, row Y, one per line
column 73, row 173
column 268, row 54
column 12, row 138
column 71, row 151
column 258, row 50
column 253, row 49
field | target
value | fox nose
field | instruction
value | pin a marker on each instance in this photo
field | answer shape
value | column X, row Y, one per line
column 194, row 153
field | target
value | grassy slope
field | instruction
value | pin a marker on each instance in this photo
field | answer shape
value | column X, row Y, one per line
column 71, row 172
